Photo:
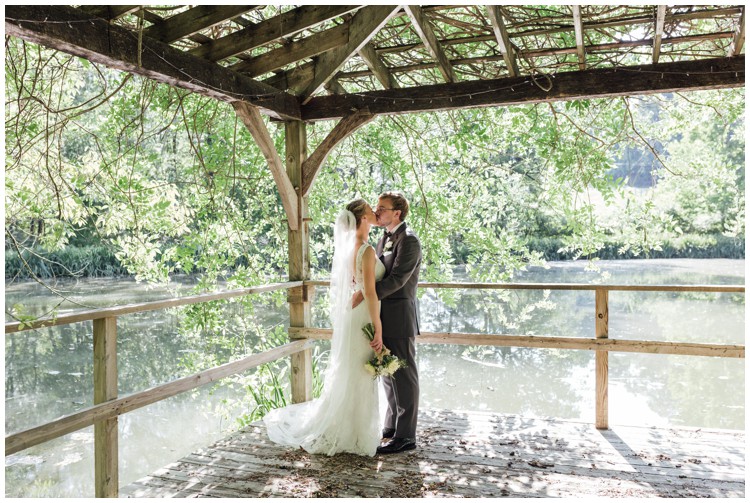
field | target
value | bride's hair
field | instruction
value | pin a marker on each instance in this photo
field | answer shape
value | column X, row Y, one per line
column 357, row 207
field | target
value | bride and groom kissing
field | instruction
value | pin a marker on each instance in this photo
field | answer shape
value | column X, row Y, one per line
column 368, row 285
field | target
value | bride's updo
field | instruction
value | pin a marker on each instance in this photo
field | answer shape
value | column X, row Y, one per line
column 357, row 207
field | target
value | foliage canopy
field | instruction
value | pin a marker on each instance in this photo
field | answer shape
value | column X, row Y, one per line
column 171, row 182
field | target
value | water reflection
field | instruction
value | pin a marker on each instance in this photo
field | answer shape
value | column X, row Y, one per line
column 48, row 371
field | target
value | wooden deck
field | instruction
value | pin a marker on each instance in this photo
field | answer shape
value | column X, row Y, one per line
column 471, row 454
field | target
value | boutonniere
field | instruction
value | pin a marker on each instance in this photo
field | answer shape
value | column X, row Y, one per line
column 388, row 245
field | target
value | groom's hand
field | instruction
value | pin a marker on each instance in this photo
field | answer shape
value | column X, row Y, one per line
column 357, row 298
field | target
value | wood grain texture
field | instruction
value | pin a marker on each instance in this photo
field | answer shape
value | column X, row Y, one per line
column 101, row 42
column 106, row 471
column 470, row 454
column 140, row 307
column 33, row 436
column 253, row 121
column 600, row 82
column 344, row 128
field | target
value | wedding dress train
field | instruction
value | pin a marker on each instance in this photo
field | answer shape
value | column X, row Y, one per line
column 346, row 417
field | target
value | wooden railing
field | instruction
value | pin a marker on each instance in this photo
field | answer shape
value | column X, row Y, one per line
column 600, row 343
column 108, row 406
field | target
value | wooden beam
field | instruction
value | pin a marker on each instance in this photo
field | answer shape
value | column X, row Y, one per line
column 661, row 14
column 113, row 408
column 334, row 87
column 578, row 25
column 503, row 39
column 595, row 83
column 300, row 314
column 344, row 128
column 372, row 60
column 295, row 79
column 363, row 26
column 270, row 30
column 738, row 41
column 109, row 12
column 536, row 53
column 254, row 123
column 424, row 30
column 555, row 342
column 703, row 14
column 294, row 51
column 72, row 31
column 193, row 20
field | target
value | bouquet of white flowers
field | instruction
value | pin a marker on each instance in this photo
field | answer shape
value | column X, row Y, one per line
column 383, row 363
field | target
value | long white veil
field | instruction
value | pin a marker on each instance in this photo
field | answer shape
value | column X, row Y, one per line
column 342, row 278
column 342, row 267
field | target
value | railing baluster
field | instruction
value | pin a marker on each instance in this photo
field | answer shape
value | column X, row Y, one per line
column 106, row 477
column 602, row 360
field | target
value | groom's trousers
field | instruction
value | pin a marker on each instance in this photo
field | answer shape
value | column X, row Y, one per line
column 402, row 390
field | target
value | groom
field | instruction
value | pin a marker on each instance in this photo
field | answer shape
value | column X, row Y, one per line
column 401, row 253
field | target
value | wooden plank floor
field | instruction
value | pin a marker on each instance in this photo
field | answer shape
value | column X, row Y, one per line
column 471, row 454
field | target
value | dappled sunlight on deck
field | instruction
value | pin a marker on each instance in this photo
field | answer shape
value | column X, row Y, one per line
column 471, row 454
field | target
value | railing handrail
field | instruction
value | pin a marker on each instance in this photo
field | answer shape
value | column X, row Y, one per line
column 569, row 286
column 556, row 342
column 81, row 419
column 114, row 311
column 140, row 307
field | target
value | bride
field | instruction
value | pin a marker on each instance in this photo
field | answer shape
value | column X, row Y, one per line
column 346, row 417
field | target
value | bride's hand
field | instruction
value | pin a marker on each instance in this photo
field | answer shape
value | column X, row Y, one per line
column 377, row 341
column 357, row 298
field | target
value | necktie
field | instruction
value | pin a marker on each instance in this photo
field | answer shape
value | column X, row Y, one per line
column 387, row 234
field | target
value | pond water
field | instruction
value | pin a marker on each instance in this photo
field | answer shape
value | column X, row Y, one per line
column 48, row 371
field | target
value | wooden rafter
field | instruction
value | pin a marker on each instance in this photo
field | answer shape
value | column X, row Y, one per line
column 363, row 26
column 503, row 39
column 294, row 51
column 113, row 46
column 521, row 34
column 376, row 66
column 424, row 30
column 578, row 25
column 602, row 82
column 270, row 30
column 530, row 54
column 253, row 121
column 334, row 87
column 661, row 14
column 193, row 20
column 109, row 12
column 738, row 41
column 344, row 128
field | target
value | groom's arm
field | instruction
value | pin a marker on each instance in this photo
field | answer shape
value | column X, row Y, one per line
column 404, row 265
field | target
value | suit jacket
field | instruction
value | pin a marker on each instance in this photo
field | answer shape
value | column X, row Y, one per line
column 397, row 290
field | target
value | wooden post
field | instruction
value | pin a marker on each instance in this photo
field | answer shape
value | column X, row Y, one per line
column 299, row 260
column 105, row 388
column 602, row 360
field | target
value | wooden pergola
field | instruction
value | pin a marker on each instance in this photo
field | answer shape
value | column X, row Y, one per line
column 351, row 63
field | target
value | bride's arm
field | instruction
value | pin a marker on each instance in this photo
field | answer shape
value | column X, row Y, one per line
column 368, row 273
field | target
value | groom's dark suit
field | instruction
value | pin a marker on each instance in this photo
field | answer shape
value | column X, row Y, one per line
column 402, row 255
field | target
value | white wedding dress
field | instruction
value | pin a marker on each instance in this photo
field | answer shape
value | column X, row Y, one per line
column 346, row 417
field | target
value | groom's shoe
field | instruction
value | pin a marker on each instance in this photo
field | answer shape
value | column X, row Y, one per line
column 397, row 444
column 388, row 433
